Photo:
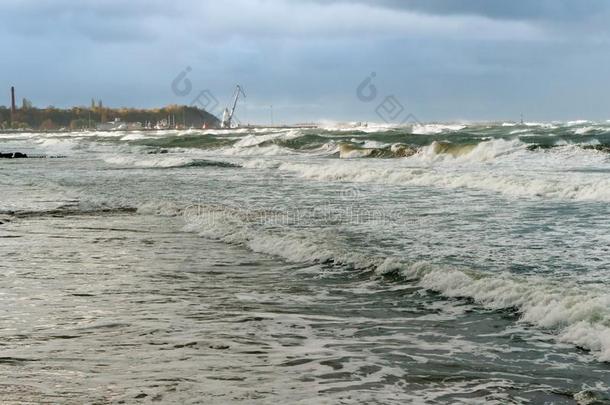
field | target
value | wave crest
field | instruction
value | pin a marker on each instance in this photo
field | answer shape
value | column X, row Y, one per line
column 164, row 162
column 577, row 314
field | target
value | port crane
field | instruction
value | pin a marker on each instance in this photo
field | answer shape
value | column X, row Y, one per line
column 227, row 115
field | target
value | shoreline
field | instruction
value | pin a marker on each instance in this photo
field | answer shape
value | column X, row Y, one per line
column 69, row 131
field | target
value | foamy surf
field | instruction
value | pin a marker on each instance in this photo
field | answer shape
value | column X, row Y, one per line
column 434, row 129
column 256, row 150
column 479, row 152
column 354, row 264
column 577, row 314
column 582, row 187
column 163, row 161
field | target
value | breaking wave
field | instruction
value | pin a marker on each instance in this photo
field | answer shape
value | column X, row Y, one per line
column 434, row 129
column 576, row 314
column 140, row 161
column 584, row 187
column 427, row 142
column 184, row 141
column 482, row 151
column 350, row 151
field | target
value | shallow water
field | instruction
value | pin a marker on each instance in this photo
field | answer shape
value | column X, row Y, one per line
column 259, row 267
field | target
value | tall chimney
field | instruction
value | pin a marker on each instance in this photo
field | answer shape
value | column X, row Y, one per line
column 13, row 107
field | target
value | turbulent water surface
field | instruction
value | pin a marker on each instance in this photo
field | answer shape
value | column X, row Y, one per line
column 428, row 264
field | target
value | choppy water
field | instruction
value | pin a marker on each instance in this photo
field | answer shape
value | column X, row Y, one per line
column 432, row 264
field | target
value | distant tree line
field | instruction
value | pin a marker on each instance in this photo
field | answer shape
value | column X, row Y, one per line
column 80, row 118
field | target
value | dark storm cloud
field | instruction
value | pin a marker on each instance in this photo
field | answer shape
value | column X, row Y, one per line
column 98, row 21
column 443, row 59
column 561, row 10
column 116, row 21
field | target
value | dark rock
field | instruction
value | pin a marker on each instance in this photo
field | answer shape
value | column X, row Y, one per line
column 158, row 151
column 16, row 155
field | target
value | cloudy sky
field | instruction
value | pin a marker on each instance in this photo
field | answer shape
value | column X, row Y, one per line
column 440, row 59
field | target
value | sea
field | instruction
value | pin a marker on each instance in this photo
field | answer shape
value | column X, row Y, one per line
column 378, row 264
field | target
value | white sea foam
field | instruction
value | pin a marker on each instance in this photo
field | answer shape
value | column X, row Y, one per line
column 481, row 152
column 134, row 136
column 269, row 150
column 261, row 164
column 518, row 131
column 433, row 129
column 57, row 146
column 584, row 130
column 367, row 143
column 161, row 208
column 253, row 140
column 357, row 126
column 574, row 187
column 577, row 314
column 252, row 144
column 580, row 315
column 149, row 161
column 593, row 142
column 577, row 122
column 349, row 152
column 226, row 132
column 328, row 148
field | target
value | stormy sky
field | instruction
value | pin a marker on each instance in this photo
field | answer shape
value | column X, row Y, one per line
column 440, row 60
